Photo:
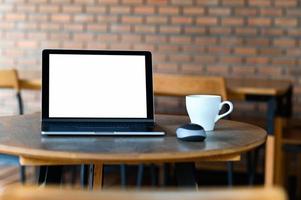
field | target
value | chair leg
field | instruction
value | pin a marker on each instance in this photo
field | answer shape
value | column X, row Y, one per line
column 252, row 158
column 230, row 173
column 123, row 175
column 140, row 175
column 22, row 174
column 84, row 175
column 20, row 103
column 153, row 174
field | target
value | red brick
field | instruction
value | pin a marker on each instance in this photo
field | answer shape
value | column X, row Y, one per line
column 109, row 37
column 232, row 21
column 192, row 69
column 83, row 18
column 111, row 2
column 245, row 31
column 181, row 20
column 219, row 50
column 233, row 2
column 286, row 3
column 120, row 28
column 270, row 70
column 168, row 48
column 120, row 10
column 49, row 27
column 155, row 39
column 145, row 10
column 156, row 20
column 83, row 1
column 132, row 2
column 207, row 2
column 217, row 69
column 257, row 42
column 169, row 10
column 74, row 27
column 107, row 19
column 181, row 2
column 131, row 38
column 63, row 18
column 207, row 21
column 260, row 3
column 272, row 32
column 170, row 29
column 27, row 44
column 160, row 2
column 245, row 51
column 72, row 9
column 145, row 29
column 243, row 71
column 219, row 11
column 180, row 39
column 99, row 9
column 242, row 11
column 206, row 40
column 284, row 62
column 132, row 19
column 193, row 10
column 286, row 22
column 259, row 21
column 194, row 30
column 193, row 49
column 230, row 59
column 97, row 27
column 270, row 12
column 49, row 8
column 270, row 51
column 180, row 58
column 284, row 42
column 83, row 37
column 205, row 59
column 257, row 60
column 25, row 8
column 231, row 41
column 15, row 16
column 220, row 30
column 60, row 36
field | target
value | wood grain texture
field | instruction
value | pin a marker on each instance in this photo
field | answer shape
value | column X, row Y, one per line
column 21, row 135
column 98, row 176
column 29, row 84
column 9, row 79
column 249, row 86
column 182, row 85
column 52, row 193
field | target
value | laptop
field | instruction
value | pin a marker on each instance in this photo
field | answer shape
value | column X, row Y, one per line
column 95, row 92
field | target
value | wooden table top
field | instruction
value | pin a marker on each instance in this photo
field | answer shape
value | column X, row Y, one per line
column 20, row 135
column 253, row 86
column 241, row 86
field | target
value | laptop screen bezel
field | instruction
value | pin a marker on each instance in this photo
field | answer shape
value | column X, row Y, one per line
column 45, row 85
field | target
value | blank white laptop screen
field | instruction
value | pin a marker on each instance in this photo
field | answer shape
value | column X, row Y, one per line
column 97, row 86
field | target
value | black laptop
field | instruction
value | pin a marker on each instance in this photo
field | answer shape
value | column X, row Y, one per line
column 95, row 92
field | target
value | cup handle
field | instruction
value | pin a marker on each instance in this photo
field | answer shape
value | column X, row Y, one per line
column 218, row 117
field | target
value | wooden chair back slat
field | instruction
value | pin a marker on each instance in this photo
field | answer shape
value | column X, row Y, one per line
column 9, row 79
column 182, row 85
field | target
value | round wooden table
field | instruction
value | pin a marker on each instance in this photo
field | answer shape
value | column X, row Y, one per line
column 21, row 136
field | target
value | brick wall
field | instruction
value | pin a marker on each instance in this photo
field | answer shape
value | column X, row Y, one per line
column 245, row 38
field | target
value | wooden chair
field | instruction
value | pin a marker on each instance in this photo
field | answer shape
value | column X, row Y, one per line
column 182, row 85
column 9, row 80
column 52, row 193
column 288, row 141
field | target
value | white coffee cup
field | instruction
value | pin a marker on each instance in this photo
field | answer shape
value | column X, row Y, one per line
column 204, row 110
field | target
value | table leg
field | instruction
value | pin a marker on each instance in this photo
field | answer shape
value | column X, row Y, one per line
column 97, row 176
column 185, row 173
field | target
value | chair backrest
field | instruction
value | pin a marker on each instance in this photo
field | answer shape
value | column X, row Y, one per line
column 182, row 85
column 41, row 193
column 9, row 79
